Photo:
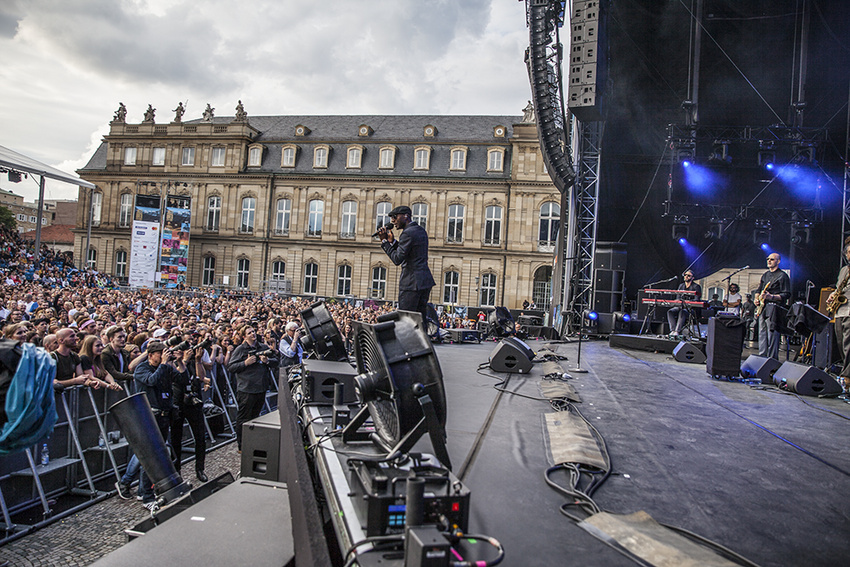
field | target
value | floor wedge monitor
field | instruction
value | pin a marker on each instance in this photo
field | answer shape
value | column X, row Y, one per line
column 509, row 356
column 805, row 380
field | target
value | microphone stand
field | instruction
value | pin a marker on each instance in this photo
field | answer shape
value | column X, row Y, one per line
column 578, row 369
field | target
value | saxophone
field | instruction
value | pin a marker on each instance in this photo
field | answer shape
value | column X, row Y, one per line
column 838, row 298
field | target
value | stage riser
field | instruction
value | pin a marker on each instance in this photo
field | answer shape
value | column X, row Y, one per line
column 647, row 343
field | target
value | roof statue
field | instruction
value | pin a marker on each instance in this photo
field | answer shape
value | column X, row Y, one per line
column 178, row 113
column 528, row 113
column 208, row 113
column 241, row 115
column 121, row 113
column 149, row 113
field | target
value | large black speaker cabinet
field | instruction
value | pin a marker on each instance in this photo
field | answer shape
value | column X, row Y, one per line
column 724, row 346
column 805, row 380
column 826, row 351
column 686, row 352
column 320, row 376
column 512, row 355
column 261, row 447
column 760, row 367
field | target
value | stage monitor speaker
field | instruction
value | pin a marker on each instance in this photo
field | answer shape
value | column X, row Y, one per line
column 261, row 447
column 805, row 380
column 320, row 376
column 686, row 352
column 760, row 367
column 724, row 346
column 826, row 351
column 511, row 355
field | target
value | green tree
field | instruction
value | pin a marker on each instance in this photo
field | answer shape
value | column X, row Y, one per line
column 7, row 219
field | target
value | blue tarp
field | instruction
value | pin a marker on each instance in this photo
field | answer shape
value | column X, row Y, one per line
column 30, row 403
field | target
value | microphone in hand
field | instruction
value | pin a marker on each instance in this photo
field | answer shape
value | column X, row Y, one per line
column 383, row 229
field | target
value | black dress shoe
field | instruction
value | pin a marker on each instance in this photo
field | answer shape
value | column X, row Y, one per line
column 201, row 476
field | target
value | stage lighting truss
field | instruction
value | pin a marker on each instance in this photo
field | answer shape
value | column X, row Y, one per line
column 720, row 152
column 716, row 227
column 767, row 154
column 14, row 175
column 804, row 154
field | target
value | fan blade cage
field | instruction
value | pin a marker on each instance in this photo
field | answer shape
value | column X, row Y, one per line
column 324, row 335
column 398, row 353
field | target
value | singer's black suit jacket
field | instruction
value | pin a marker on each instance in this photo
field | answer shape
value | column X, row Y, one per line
column 410, row 251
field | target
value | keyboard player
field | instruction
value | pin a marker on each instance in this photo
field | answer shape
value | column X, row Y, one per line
column 678, row 316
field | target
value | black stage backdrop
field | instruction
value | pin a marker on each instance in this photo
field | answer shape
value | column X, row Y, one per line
column 747, row 83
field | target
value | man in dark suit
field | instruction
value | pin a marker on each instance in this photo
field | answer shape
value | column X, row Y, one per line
column 410, row 251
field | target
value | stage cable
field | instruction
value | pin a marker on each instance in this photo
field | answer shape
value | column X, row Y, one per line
column 648, row 191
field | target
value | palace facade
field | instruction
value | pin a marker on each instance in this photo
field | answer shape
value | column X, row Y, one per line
column 290, row 203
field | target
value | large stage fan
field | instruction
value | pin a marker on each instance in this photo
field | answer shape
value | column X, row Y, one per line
column 500, row 323
column 322, row 334
column 400, row 385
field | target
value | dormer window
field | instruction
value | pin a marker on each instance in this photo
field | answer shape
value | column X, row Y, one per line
column 422, row 158
column 355, row 157
column 287, row 156
column 429, row 131
column 500, row 132
column 320, row 156
column 458, row 160
column 387, row 159
column 364, row 131
column 301, row 130
column 496, row 159
column 255, row 156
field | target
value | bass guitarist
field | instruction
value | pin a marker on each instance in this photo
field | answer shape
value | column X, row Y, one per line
column 773, row 292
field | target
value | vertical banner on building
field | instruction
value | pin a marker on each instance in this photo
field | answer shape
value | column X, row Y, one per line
column 174, row 260
column 144, row 243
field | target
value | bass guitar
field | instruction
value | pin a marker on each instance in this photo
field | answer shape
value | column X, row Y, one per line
column 760, row 303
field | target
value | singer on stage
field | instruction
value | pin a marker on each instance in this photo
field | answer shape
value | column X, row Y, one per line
column 773, row 292
column 678, row 316
column 410, row 251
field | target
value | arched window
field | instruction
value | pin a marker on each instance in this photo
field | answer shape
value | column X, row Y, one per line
column 343, row 280
column 355, row 155
column 348, row 229
column 458, row 162
column 387, row 158
column 125, row 214
column 492, row 225
column 496, row 159
column 320, row 157
column 488, row 290
column 422, row 158
column 541, row 293
column 550, row 221
column 249, row 208
column 451, row 285
column 315, row 217
column 311, row 278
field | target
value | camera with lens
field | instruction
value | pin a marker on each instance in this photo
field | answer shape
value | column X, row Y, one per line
column 269, row 353
column 181, row 346
column 206, row 343
column 173, row 341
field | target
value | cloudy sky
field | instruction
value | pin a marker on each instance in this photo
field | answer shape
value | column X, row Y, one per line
column 68, row 63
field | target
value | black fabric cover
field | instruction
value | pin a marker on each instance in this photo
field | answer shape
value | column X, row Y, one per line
column 805, row 319
column 724, row 346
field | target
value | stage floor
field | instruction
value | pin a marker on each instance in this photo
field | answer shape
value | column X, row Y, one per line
column 762, row 472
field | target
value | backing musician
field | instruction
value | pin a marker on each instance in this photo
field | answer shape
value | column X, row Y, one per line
column 774, row 290
column 842, row 319
column 678, row 316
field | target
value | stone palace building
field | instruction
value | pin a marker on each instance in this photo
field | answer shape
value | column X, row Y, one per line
column 290, row 203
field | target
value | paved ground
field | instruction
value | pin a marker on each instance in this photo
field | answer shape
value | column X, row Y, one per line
column 85, row 537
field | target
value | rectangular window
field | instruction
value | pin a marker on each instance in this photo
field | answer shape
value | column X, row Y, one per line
column 129, row 156
column 209, row 270
column 121, row 264
column 420, row 214
column 284, row 210
column 450, row 288
column 217, row 159
column 158, row 157
column 458, row 160
column 315, row 217
column 92, row 260
column 255, row 157
column 96, row 206
column 455, row 226
column 213, row 213
column 421, row 161
column 349, row 220
column 311, row 278
column 343, row 282
column 33, row 219
column 492, row 225
column 249, row 207
column 288, row 157
column 379, row 282
column 243, row 269
column 278, row 270
column 488, row 290
column 125, row 214
column 382, row 214
column 321, row 157
column 22, row 217
column 188, row 156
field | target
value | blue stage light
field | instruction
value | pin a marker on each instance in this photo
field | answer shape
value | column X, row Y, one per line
column 592, row 315
column 686, row 163
column 769, row 166
column 627, row 317
column 765, row 246
column 682, row 241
